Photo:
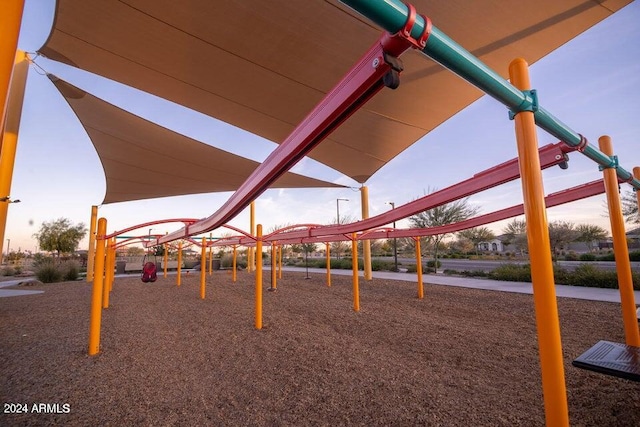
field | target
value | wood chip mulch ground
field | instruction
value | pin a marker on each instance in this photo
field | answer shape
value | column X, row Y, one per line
column 459, row 357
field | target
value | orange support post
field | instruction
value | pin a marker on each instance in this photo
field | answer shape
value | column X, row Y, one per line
column 274, row 266
column 10, row 22
column 328, row 264
column 366, row 244
column 203, row 268
column 419, row 267
column 92, row 242
column 280, row 262
column 110, row 255
column 9, row 135
column 234, row 265
column 258, row 288
column 354, row 265
column 179, row 277
column 210, row 258
column 165, row 260
column 252, row 222
column 620, row 248
column 544, row 292
column 96, row 293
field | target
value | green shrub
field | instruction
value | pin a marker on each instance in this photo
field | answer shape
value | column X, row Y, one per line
column 48, row 272
column 587, row 257
column 432, row 263
column 571, row 256
column 474, row 273
column 607, row 257
column 412, row 268
column 634, row 256
column 70, row 270
column 7, row 271
column 512, row 273
column 378, row 265
column 590, row 276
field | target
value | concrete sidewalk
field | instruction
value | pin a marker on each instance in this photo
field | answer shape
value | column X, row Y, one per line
column 15, row 292
column 579, row 292
column 563, row 291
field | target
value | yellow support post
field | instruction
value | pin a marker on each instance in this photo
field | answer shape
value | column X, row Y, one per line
column 96, row 293
column 10, row 22
column 203, row 268
column 544, row 292
column 234, row 265
column 113, row 262
column 620, row 248
column 252, row 226
column 210, row 256
column 258, row 288
column 354, row 268
column 366, row 244
column 328, row 250
column 108, row 272
column 280, row 262
column 179, row 277
column 92, row 242
column 274, row 266
column 9, row 136
column 165, row 260
column 419, row 267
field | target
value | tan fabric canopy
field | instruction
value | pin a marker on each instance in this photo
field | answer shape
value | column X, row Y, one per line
column 262, row 66
column 142, row 160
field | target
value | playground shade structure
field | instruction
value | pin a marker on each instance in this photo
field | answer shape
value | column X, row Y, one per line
column 263, row 69
column 135, row 153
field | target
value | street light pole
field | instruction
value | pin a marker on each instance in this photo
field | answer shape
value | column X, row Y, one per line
column 338, row 219
column 395, row 240
column 8, row 245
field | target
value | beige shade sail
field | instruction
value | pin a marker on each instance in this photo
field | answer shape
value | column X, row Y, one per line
column 263, row 65
column 143, row 160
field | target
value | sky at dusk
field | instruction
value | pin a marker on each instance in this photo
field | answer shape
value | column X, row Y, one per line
column 589, row 83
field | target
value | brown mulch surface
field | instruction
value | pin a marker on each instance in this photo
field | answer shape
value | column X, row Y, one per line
column 460, row 357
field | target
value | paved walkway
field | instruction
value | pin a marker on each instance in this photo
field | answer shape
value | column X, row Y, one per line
column 15, row 292
column 593, row 294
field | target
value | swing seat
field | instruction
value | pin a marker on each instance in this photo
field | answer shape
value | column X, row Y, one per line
column 149, row 273
column 610, row 358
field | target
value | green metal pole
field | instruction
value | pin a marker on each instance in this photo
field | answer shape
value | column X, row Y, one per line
column 391, row 15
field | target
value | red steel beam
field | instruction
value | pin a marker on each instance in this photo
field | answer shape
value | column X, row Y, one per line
column 185, row 221
column 363, row 81
column 550, row 155
column 555, row 199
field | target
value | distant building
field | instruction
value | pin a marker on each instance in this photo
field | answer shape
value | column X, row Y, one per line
column 495, row 245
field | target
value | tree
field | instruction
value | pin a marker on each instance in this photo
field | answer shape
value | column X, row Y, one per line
column 630, row 207
column 589, row 234
column 60, row 236
column 339, row 247
column 515, row 233
column 561, row 233
column 477, row 235
column 449, row 213
column 135, row 251
column 462, row 245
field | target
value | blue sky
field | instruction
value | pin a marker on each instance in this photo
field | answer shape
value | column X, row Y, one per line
column 589, row 83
